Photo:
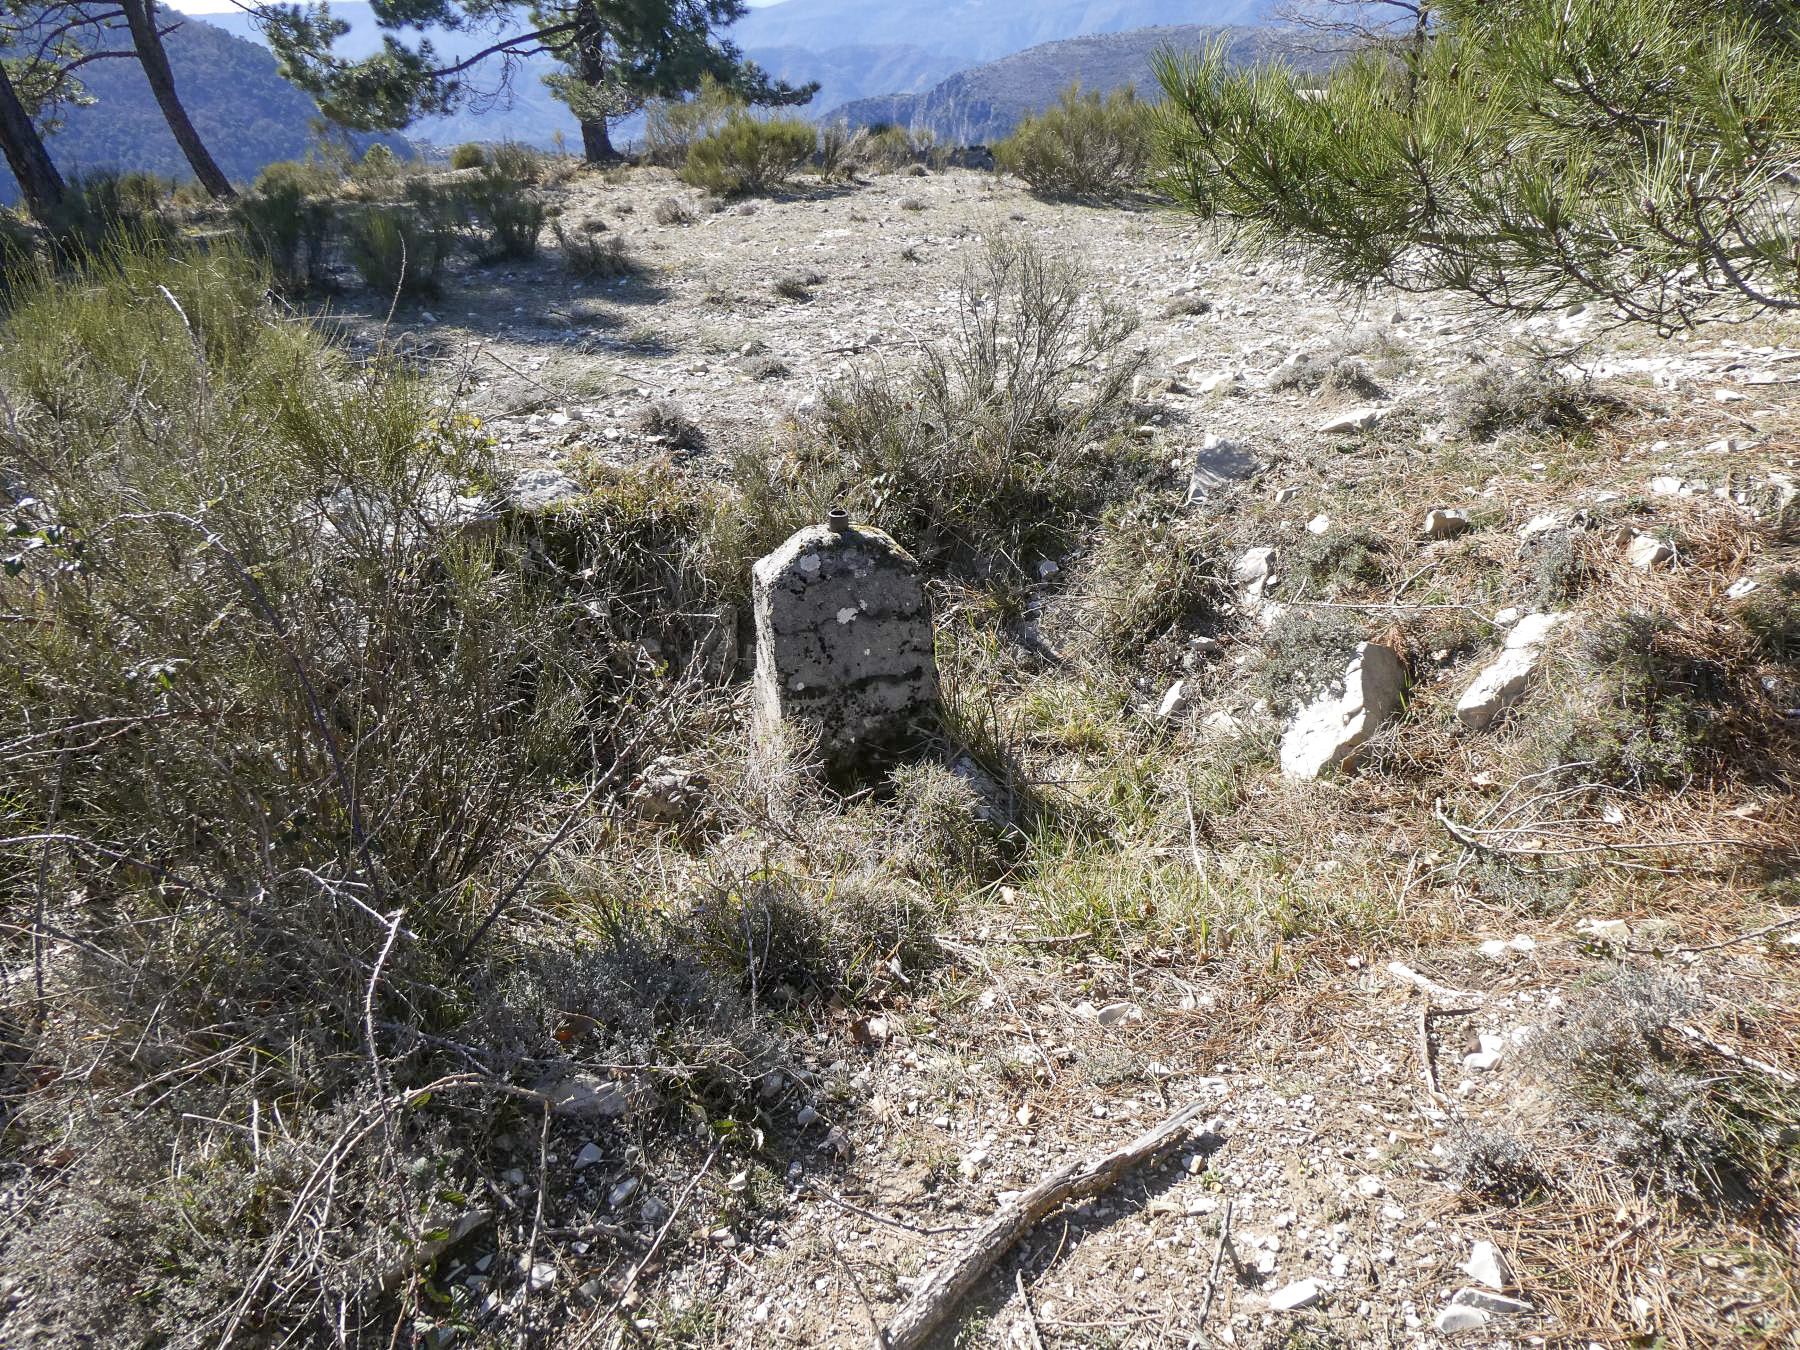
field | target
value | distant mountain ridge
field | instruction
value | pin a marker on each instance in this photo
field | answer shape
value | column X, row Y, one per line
column 982, row 105
column 857, row 50
column 973, row 31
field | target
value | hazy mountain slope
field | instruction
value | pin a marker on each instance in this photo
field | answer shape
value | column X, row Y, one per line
column 972, row 30
column 246, row 113
column 981, row 105
column 856, row 49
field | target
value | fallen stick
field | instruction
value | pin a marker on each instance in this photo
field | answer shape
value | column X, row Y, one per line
column 1407, row 975
column 1212, row 1280
column 944, row 1288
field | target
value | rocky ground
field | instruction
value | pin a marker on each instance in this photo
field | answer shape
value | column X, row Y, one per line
column 1386, row 1159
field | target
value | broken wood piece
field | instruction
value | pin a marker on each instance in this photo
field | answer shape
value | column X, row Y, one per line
column 938, row 1296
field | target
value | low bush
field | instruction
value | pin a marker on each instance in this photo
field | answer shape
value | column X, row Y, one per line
column 834, row 141
column 995, row 447
column 469, row 155
column 1530, row 400
column 306, row 177
column 1152, row 574
column 288, row 228
column 1085, row 146
column 105, row 211
column 511, row 214
column 334, row 708
column 591, row 254
column 671, row 126
column 886, row 148
column 518, row 163
column 672, row 211
column 400, row 251
column 749, row 155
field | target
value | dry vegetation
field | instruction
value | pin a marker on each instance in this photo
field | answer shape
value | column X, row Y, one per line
column 358, row 823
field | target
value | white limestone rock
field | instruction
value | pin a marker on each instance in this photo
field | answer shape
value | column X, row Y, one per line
column 1328, row 733
column 1505, row 681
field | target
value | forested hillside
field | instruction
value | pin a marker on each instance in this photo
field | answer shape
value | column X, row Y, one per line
column 247, row 114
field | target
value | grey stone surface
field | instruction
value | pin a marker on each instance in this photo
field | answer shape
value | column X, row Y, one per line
column 1218, row 463
column 843, row 639
column 1506, row 680
column 1328, row 733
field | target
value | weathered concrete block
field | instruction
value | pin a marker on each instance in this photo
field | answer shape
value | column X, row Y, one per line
column 843, row 638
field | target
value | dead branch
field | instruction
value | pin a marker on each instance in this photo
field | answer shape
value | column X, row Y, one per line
column 945, row 1287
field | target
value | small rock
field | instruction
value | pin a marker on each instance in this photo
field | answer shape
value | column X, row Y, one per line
column 1539, row 525
column 1493, row 1048
column 1486, row 1266
column 1504, row 682
column 621, row 1193
column 1606, row 932
column 589, row 1155
column 537, row 490
column 1216, row 463
column 1113, row 1014
column 1285, row 495
column 1319, row 524
column 1293, row 1297
column 1329, row 732
column 1445, row 524
column 1506, row 618
column 805, row 1117
column 1457, row 1318
column 1253, row 572
column 1352, row 419
column 1487, row 1301
column 540, row 1276
column 1647, row 551
column 1740, row 588
column 1174, row 702
column 583, row 1094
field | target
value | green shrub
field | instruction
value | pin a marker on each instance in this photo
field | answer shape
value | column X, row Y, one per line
column 834, row 141
column 995, row 448
column 748, row 155
column 517, row 163
column 671, row 126
column 336, row 709
column 512, row 215
column 400, row 251
column 107, row 210
column 591, row 254
column 1085, row 146
column 18, row 242
column 885, row 148
column 308, row 178
column 378, row 167
column 288, row 229
column 469, row 155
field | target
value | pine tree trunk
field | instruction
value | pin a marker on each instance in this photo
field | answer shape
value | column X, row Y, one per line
column 141, row 16
column 39, row 182
column 596, row 144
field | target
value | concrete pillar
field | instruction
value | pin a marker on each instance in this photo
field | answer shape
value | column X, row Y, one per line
column 843, row 640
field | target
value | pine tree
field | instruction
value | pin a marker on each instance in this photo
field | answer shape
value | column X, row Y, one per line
column 615, row 55
column 1531, row 153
